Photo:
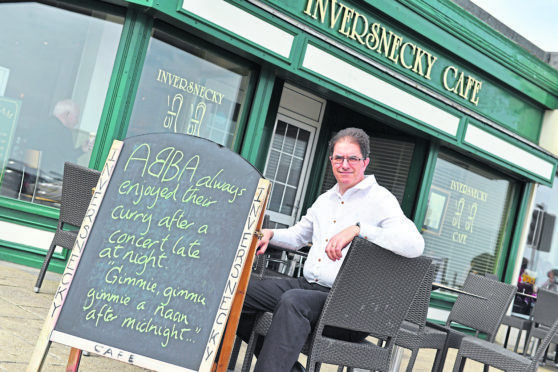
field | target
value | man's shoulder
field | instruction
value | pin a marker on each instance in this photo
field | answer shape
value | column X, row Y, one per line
column 372, row 188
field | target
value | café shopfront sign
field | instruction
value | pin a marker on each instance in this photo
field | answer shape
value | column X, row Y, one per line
column 377, row 39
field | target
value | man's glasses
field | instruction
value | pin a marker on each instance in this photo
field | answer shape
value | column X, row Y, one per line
column 338, row 159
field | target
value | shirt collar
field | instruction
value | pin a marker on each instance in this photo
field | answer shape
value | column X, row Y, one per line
column 365, row 183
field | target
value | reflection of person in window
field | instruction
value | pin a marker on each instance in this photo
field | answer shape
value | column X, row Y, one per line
column 551, row 283
column 55, row 138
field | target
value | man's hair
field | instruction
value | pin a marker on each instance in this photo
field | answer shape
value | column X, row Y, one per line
column 353, row 135
column 64, row 106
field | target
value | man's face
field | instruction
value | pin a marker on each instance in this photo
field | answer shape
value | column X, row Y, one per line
column 347, row 173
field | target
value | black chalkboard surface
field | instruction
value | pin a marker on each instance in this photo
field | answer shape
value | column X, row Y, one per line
column 160, row 252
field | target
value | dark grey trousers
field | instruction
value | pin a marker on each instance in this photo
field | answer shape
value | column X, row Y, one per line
column 296, row 306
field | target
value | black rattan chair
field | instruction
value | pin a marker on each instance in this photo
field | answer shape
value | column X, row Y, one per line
column 77, row 186
column 484, row 315
column 544, row 314
column 494, row 355
column 372, row 293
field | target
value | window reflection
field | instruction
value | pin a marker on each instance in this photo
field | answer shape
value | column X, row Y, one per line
column 187, row 89
column 55, row 67
column 541, row 248
column 466, row 219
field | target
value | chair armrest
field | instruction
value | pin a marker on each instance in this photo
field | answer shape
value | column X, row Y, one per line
column 260, row 269
column 281, row 249
column 439, row 327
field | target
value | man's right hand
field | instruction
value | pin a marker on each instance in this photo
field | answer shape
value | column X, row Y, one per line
column 264, row 241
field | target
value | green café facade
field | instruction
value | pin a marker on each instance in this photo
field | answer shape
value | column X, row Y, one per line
column 461, row 119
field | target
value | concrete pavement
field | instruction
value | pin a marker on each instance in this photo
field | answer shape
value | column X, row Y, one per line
column 22, row 313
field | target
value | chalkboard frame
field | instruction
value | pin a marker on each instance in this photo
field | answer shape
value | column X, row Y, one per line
column 244, row 256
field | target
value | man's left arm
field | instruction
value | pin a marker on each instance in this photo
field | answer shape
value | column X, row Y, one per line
column 397, row 234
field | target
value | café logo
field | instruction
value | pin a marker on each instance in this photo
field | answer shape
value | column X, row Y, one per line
column 196, row 115
column 358, row 28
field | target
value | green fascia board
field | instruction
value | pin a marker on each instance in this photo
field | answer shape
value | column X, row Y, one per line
column 453, row 28
column 424, row 127
column 377, row 106
column 173, row 12
column 530, row 109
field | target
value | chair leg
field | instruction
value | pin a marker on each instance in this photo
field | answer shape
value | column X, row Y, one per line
column 544, row 354
column 439, row 360
column 412, row 360
column 526, row 343
column 247, row 363
column 43, row 270
column 459, row 365
column 507, row 337
column 519, row 333
column 235, row 352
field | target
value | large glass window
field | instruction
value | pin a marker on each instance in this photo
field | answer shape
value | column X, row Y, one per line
column 55, row 66
column 466, row 219
column 540, row 258
column 184, row 88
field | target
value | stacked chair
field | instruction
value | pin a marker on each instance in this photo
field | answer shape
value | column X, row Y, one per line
column 372, row 293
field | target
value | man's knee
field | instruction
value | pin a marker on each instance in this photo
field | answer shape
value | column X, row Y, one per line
column 290, row 299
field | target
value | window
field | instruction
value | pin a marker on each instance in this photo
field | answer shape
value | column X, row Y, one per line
column 541, row 248
column 286, row 165
column 185, row 88
column 465, row 224
column 55, row 67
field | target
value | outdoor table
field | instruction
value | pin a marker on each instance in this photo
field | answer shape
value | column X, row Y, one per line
column 526, row 295
column 441, row 286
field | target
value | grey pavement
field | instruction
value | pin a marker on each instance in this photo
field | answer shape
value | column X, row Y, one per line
column 22, row 314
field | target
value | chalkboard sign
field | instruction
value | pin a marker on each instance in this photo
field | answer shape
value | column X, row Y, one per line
column 154, row 271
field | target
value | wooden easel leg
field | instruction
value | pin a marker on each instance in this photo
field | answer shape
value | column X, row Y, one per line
column 73, row 360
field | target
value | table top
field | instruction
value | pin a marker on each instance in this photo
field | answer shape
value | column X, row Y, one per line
column 526, row 295
column 441, row 286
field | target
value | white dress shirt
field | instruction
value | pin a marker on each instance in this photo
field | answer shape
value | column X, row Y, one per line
column 381, row 221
